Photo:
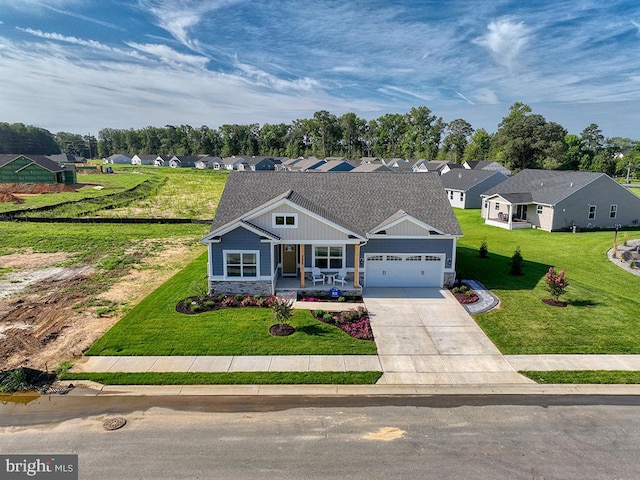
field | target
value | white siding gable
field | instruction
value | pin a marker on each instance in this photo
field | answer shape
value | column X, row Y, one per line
column 308, row 227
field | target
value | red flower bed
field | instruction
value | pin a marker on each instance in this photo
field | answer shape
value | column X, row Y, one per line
column 353, row 322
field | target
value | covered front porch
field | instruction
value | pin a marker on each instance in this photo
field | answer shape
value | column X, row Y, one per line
column 295, row 265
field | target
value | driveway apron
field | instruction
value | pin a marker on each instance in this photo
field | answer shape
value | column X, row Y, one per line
column 424, row 336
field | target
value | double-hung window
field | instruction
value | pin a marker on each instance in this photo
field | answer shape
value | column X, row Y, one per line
column 331, row 256
column 613, row 211
column 592, row 212
column 241, row 264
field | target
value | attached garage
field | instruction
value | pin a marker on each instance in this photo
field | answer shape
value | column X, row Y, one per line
column 404, row 270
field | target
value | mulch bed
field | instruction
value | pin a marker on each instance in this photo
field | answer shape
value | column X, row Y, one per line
column 462, row 296
column 554, row 303
column 282, row 329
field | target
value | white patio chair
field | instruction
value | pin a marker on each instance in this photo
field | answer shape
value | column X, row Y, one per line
column 340, row 277
column 317, row 276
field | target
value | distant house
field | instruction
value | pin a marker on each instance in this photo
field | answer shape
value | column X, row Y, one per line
column 560, row 200
column 259, row 164
column 182, row 161
column 146, row 159
column 274, row 229
column 208, row 162
column 377, row 160
column 67, row 158
column 118, row 159
column 372, row 167
column 335, row 166
column 34, row 169
column 486, row 165
column 464, row 187
column 306, row 164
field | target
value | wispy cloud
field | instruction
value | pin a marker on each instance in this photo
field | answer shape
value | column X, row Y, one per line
column 180, row 17
column 505, row 39
column 169, row 55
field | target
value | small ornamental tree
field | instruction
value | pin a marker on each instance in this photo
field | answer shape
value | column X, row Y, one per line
column 282, row 309
column 556, row 283
column 516, row 263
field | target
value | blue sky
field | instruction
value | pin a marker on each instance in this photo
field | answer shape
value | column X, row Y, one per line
column 81, row 65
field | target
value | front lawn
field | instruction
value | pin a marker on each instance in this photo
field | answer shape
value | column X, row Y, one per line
column 155, row 328
column 603, row 311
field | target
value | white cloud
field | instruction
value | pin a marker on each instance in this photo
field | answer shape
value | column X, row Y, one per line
column 179, row 17
column 169, row 55
column 505, row 39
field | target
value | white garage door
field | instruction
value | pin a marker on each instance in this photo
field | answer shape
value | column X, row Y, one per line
column 403, row 270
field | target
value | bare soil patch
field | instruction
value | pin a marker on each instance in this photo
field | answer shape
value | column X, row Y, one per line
column 8, row 198
column 45, row 322
column 35, row 188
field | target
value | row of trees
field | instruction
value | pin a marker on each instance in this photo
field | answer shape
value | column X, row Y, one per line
column 522, row 140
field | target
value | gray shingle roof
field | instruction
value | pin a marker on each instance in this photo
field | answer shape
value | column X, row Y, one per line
column 41, row 160
column 356, row 201
column 464, row 179
column 544, row 186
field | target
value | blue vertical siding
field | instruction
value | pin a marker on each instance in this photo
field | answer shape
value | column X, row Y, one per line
column 241, row 239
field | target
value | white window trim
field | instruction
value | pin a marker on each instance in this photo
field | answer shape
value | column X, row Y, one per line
column 241, row 277
column 344, row 256
column 284, row 215
column 594, row 212
column 613, row 209
column 539, row 209
column 497, row 206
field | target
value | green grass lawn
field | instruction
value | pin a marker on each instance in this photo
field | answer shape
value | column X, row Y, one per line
column 603, row 315
column 236, row 378
column 110, row 184
column 585, row 376
column 187, row 193
column 155, row 328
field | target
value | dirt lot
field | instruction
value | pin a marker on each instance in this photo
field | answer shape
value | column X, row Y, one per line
column 44, row 319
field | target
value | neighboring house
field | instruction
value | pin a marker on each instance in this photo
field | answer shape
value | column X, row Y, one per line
column 335, row 166
column 486, row 165
column 182, row 161
column 372, row 167
column 145, row 159
column 15, row 168
column 119, row 159
column 227, row 163
column 387, row 229
column 560, row 200
column 464, row 187
column 394, row 162
column 208, row 162
column 67, row 158
column 259, row 164
column 306, row 164
column 377, row 160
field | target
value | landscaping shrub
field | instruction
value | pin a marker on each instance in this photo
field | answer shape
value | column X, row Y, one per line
column 516, row 263
column 484, row 249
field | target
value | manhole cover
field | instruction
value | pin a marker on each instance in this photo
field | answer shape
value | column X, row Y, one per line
column 114, row 423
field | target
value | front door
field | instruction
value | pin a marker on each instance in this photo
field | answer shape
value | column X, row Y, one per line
column 521, row 212
column 289, row 260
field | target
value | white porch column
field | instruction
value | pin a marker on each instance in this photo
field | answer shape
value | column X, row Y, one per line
column 510, row 217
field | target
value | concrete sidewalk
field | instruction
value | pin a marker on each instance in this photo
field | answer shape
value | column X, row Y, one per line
column 267, row 363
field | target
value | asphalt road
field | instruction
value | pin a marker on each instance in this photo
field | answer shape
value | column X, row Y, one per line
column 456, row 439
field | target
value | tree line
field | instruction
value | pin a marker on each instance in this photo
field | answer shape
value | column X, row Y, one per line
column 523, row 139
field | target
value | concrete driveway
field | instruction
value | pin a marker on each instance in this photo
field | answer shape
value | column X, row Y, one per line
column 424, row 336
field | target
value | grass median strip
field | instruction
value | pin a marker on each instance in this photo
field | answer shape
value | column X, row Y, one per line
column 237, row 378
column 584, row 376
